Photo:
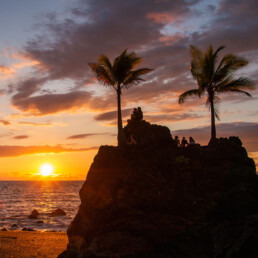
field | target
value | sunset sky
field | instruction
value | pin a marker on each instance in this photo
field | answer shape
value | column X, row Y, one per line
column 54, row 111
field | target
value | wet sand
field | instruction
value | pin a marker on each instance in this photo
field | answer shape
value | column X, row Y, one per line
column 32, row 244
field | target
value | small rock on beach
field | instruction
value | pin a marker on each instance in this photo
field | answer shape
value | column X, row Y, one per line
column 34, row 214
column 58, row 212
column 14, row 226
column 28, row 229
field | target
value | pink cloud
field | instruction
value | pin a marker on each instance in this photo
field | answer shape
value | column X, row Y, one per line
column 170, row 40
column 164, row 17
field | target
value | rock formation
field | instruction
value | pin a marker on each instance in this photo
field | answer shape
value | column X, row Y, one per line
column 154, row 199
column 144, row 133
column 34, row 215
column 57, row 212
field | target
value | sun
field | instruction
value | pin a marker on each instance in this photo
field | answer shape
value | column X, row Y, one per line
column 46, row 169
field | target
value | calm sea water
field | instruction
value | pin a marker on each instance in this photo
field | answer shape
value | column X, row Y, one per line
column 19, row 198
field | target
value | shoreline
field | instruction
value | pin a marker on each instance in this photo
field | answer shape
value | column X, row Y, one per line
column 32, row 231
column 18, row 243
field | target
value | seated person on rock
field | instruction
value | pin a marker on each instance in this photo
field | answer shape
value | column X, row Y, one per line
column 184, row 142
column 191, row 141
column 177, row 141
column 137, row 114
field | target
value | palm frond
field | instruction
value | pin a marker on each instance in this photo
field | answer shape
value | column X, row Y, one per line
column 104, row 60
column 237, row 91
column 227, row 66
column 120, row 72
column 102, row 74
column 134, row 59
column 208, row 64
column 215, row 58
column 189, row 94
column 235, row 84
column 218, row 50
column 134, row 77
column 196, row 53
column 197, row 62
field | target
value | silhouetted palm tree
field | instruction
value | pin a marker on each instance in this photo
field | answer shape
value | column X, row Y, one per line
column 119, row 75
column 214, row 79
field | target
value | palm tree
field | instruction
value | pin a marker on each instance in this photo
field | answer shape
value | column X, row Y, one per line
column 119, row 75
column 213, row 79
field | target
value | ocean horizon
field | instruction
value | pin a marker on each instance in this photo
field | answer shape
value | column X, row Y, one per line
column 18, row 198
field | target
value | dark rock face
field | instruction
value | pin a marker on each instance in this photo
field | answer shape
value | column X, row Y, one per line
column 58, row 212
column 164, row 201
column 146, row 134
column 34, row 215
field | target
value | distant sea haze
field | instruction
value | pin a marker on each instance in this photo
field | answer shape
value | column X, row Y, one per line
column 19, row 198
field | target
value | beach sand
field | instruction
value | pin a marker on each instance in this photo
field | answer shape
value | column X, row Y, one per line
column 21, row 244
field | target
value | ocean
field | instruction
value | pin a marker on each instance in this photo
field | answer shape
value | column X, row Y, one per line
column 19, row 198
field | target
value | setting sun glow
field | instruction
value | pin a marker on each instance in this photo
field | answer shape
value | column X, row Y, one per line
column 46, row 170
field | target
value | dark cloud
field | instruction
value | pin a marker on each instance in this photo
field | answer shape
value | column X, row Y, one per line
column 165, row 116
column 5, row 122
column 170, row 118
column 246, row 131
column 112, row 115
column 52, row 103
column 14, row 151
column 20, row 137
column 26, row 88
column 68, row 45
column 86, row 135
column 235, row 25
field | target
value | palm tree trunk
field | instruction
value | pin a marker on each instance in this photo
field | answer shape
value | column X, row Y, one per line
column 213, row 127
column 120, row 135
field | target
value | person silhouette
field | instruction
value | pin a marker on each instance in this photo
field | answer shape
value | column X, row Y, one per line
column 191, row 140
column 184, row 142
column 177, row 141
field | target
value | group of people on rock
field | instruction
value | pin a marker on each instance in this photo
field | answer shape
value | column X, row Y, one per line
column 184, row 142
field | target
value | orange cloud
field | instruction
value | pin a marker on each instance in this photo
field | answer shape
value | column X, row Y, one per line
column 35, row 124
column 6, row 72
column 20, row 137
column 4, row 122
column 14, row 151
